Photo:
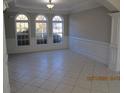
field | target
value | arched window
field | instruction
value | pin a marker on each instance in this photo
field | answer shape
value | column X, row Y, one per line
column 57, row 29
column 41, row 29
column 22, row 30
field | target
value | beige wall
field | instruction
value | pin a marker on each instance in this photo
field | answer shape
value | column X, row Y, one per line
column 112, row 5
column 94, row 24
column 115, row 3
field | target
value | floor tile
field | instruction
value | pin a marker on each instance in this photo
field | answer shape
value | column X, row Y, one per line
column 83, row 84
column 114, row 90
column 49, row 85
column 100, row 86
column 62, row 88
column 68, row 81
column 80, row 90
column 39, row 90
column 37, row 82
column 28, row 89
column 98, row 91
column 61, row 71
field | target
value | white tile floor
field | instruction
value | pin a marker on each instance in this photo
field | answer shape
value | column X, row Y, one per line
column 61, row 71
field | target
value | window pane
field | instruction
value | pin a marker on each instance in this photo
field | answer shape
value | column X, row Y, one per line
column 41, row 33
column 57, row 18
column 41, row 18
column 56, row 38
column 41, row 28
column 22, row 27
column 19, row 42
column 57, row 29
column 57, row 32
column 21, row 17
column 27, row 42
column 22, row 30
column 42, row 41
column 23, row 42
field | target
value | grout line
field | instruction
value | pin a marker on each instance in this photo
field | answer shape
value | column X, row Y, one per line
column 92, row 75
column 77, row 78
column 50, row 74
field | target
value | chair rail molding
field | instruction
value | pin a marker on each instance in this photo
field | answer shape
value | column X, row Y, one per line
column 96, row 50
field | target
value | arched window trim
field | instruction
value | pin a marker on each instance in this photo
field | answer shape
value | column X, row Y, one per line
column 58, row 21
column 22, row 21
column 62, row 21
column 21, row 14
column 42, row 21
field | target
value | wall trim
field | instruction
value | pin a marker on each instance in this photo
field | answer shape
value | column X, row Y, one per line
column 89, row 40
column 96, row 50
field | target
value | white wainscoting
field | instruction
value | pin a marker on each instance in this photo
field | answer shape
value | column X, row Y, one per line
column 96, row 50
column 13, row 48
column 114, row 61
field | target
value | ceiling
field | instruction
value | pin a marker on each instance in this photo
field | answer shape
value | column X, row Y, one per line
column 60, row 5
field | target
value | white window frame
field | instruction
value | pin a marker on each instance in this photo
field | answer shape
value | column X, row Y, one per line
column 62, row 28
column 29, row 33
column 41, row 21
